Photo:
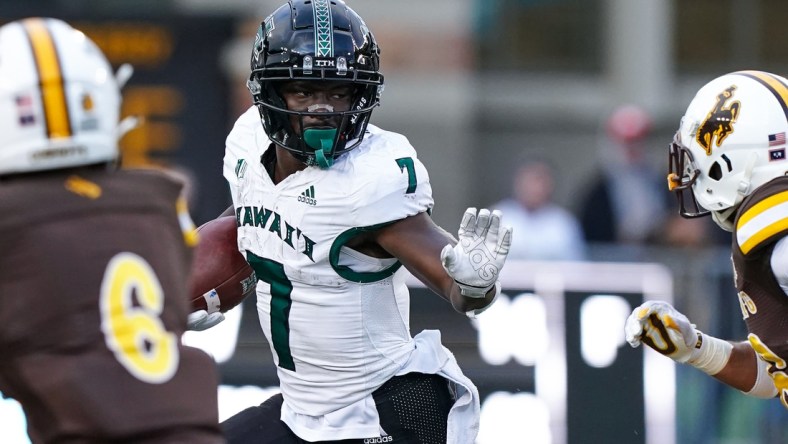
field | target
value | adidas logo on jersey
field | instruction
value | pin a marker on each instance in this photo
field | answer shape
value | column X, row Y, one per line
column 387, row 438
column 308, row 196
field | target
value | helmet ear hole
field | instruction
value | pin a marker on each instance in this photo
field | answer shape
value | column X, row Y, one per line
column 715, row 172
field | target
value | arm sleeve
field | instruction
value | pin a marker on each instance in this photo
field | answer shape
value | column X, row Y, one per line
column 764, row 387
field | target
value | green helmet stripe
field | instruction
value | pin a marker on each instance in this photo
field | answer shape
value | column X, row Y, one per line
column 324, row 38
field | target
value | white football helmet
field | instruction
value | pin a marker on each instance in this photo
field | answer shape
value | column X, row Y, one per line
column 59, row 99
column 732, row 139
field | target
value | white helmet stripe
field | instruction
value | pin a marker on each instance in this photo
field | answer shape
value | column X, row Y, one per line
column 53, row 96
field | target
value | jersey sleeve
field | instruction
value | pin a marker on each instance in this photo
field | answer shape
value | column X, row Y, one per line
column 241, row 147
column 763, row 218
column 395, row 183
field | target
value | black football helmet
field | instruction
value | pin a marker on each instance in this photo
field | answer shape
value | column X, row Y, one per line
column 315, row 40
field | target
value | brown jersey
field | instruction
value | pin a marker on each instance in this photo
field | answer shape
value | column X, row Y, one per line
column 762, row 220
column 93, row 302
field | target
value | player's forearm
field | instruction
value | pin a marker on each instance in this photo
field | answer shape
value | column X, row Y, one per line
column 666, row 330
column 741, row 370
column 464, row 304
column 444, row 286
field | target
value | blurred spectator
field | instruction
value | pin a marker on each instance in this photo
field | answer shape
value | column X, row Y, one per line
column 626, row 201
column 692, row 233
column 543, row 230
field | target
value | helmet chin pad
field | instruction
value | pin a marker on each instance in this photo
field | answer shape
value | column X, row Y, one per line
column 322, row 141
column 724, row 218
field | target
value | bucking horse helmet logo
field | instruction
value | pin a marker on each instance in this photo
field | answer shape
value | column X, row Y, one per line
column 719, row 122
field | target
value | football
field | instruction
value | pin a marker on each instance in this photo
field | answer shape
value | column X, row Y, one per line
column 220, row 276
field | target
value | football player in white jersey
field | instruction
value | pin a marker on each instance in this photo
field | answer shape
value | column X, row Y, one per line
column 728, row 159
column 330, row 208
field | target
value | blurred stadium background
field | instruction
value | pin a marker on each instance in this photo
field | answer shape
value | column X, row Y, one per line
column 478, row 86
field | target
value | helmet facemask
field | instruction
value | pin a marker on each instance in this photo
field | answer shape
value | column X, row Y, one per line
column 686, row 180
column 314, row 145
column 682, row 175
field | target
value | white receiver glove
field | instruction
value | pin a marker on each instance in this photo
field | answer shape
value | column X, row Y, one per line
column 661, row 327
column 476, row 261
column 200, row 320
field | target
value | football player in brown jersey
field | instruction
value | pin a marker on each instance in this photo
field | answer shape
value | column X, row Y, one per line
column 95, row 260
column 728, row 160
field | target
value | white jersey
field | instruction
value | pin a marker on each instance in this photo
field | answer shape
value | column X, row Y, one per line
column 337, row 321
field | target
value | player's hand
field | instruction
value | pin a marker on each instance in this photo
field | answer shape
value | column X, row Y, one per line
column 200, row 320
column 476, row 261
column 661, row 327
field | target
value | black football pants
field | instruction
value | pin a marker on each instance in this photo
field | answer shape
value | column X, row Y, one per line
column 413, row 409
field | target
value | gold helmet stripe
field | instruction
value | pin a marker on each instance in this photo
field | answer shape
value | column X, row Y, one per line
column 53, row 95
column 773, row 84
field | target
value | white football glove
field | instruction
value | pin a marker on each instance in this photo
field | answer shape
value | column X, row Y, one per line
column 476, row 261
column 661, row 327
column 200, row 320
